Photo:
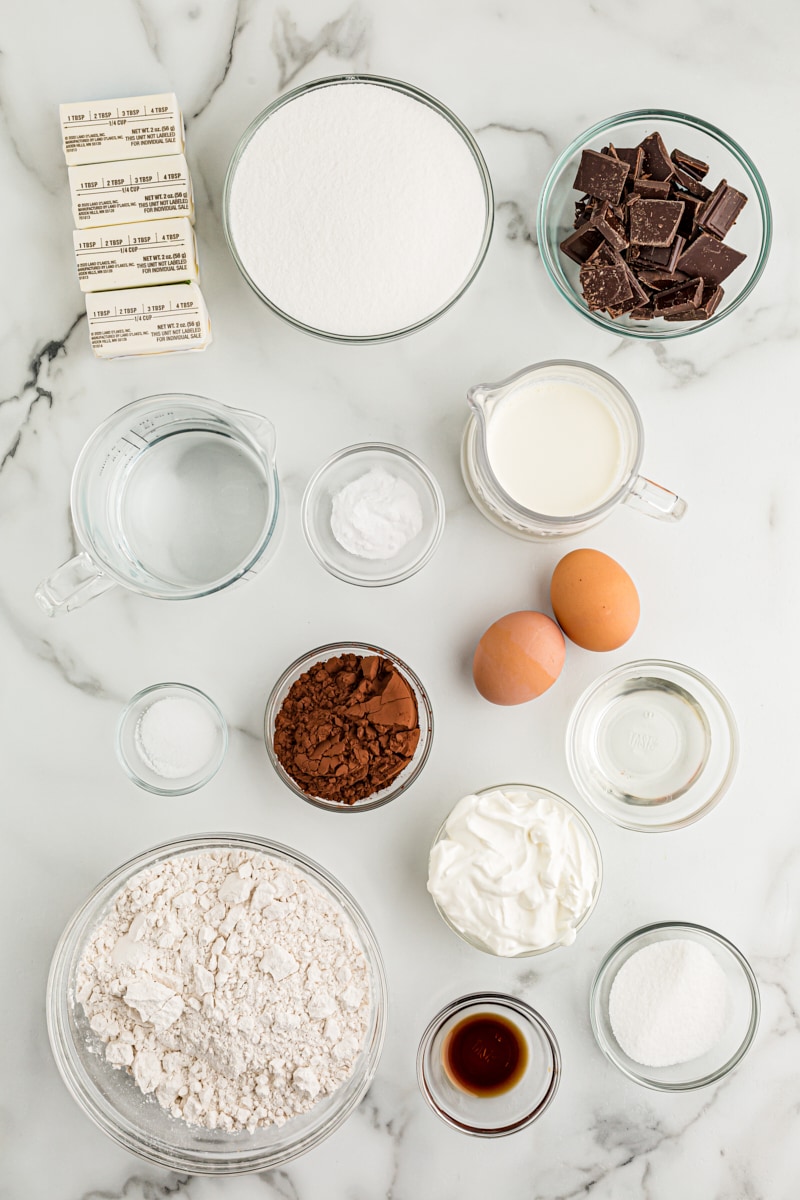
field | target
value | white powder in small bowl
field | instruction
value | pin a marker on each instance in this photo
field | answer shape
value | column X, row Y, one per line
column 669, row 1003
column 357, row 210
column 376, row 515
column 176, row 737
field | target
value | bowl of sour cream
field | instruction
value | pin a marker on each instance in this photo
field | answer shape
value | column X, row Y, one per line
column 515, row 870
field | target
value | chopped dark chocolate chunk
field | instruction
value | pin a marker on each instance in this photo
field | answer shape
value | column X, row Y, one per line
column 610, row 226
column 657, row 163
column 658, row 280
column 692, row 185
column 634, row 158
column 648, row 233
column 721, row 209
column 710, row 259
column 654, row 222
column 682, row 298
column 583, row 242
column 687, row 224
column 660, row 256
column 705, row 309
column 604, row 286
column 652, row 189
column 601, row 176
column 695, row 166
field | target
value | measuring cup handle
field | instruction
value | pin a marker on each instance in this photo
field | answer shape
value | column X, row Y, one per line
column 655, row 501
column 263, row 429
column 72, row 585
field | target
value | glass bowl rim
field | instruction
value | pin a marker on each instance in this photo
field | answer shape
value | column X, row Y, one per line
column 675, row 927
column 331, row 649
column 628, row 118
column 102, row 1114
column 640, row 666
column 422, row 471
column 519, row 1007
column 593, row 842
column 215, row 763
column 414, row 93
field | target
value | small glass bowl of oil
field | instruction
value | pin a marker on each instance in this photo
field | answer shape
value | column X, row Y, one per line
column 488, row 1064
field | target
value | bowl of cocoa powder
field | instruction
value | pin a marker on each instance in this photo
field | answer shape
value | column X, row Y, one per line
column 348, row 726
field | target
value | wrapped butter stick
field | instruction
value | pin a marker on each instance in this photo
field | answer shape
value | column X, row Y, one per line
column 97, row 131
column 142, row 190
column 153, row 320
column 136, row 255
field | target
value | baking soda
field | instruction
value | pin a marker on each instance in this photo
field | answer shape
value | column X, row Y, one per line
column 376, row 515
column 176, row 737
column 357, row 210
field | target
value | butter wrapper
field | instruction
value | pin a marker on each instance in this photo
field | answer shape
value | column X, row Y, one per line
column 117, row 193
column 152, row 320
column 99, row 131
column 137, row 255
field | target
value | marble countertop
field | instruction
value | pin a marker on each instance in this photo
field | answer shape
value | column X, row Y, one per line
column 719, row 591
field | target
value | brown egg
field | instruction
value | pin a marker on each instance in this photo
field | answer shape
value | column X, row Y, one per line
column 594, row 599
column 518, row 658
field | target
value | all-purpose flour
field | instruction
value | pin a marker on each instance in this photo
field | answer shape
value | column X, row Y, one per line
column 357, row 210
column 230, row 986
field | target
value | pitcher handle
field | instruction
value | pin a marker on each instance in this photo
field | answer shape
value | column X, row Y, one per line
column 655, row 501
column 76, row 581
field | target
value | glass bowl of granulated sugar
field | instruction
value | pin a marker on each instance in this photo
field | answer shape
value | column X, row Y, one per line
column 217, row 1005
column 358, row 208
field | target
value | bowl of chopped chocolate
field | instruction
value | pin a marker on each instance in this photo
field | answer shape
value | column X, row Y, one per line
column 654, row 224
column 348, row 727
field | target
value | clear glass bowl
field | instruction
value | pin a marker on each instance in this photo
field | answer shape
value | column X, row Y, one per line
column 752, row 233
column 344, row 467
column 532, row 791
column 406, row 777
column 135, row 766
column 652, row 745
column 493, row 1116
column 137, row 1122
column 415, row 94
column 743, row 1012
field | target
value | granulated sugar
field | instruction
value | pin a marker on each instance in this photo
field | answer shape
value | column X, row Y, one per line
column 230, row 986
column 668, row 1003
column 357, row 210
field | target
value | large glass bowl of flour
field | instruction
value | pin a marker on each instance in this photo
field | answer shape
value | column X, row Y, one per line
column 358, row 208
column 136, row 1121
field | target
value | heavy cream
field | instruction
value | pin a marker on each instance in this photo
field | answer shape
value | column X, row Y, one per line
column 555, row 446
column 515, row 871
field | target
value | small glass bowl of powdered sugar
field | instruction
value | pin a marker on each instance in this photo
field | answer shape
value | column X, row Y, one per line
column 674, row 1006
column 171, row 739
column 373, row 514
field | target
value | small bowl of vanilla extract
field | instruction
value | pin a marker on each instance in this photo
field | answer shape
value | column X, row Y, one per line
column 488, row 1064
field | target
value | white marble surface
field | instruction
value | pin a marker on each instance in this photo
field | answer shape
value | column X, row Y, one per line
column 718, row 592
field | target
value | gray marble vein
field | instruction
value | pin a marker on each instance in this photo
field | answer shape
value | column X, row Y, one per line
column 345, row 38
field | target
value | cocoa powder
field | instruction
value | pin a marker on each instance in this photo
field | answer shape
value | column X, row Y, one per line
column 347, row 727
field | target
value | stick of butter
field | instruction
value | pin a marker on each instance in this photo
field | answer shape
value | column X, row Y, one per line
column 118, row 192
column 99, row 131
column 136, row 255
column 153, row 320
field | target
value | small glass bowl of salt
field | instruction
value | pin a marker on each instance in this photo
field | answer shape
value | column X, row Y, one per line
column 171, row 739
column 373, row 514
column 674, row 1006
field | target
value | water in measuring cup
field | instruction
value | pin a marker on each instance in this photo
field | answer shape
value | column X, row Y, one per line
column 193, row 508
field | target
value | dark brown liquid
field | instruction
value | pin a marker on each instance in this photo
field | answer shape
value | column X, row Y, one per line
column 485, row 1054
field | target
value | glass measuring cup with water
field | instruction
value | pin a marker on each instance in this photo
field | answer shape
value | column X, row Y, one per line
column 553, row 449
column 174, row 497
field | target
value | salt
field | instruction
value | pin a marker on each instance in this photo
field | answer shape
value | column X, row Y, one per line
column 176, row 737
column 669, row 1003
column 376, row 515
column 357, row 210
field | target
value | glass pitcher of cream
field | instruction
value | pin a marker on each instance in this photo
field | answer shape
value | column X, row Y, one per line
column 550, row 451
column 174, row 497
